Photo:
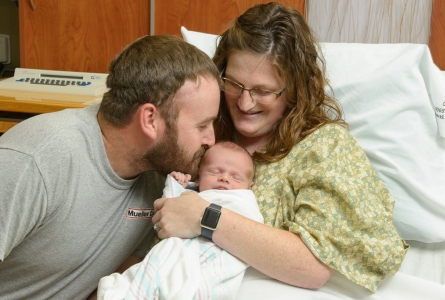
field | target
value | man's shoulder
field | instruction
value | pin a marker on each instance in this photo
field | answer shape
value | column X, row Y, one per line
column 41, row 131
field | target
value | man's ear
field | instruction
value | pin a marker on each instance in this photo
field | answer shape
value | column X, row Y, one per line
column 150, row 120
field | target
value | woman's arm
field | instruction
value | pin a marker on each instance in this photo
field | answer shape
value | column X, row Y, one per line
column 277, row 253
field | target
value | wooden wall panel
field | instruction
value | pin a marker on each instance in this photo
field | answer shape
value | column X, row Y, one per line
column 437, row 38
column 81, row 35
column 211, row 16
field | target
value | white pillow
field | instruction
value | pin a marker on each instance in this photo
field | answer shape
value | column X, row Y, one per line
column 204, row 41
column 387, row 93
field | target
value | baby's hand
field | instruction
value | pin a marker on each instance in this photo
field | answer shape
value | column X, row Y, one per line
column 182, row 178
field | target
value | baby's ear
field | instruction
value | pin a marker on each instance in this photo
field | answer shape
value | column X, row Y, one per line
column 251, row 185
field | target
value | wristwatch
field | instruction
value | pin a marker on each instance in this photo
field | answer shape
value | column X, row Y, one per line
column 209, row 220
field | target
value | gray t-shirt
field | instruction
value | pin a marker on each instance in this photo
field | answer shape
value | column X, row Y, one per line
column 66, row 219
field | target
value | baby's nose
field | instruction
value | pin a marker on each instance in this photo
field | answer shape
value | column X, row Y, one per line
column 223, row 177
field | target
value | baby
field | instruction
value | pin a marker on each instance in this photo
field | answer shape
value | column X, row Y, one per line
column 185, row 268
column 225, row 166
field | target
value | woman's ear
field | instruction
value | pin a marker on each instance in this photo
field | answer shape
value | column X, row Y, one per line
column 150, row 120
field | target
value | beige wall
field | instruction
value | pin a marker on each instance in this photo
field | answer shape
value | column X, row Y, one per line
column 9, row 25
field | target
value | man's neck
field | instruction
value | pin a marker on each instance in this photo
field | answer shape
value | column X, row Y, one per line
column 122, row 151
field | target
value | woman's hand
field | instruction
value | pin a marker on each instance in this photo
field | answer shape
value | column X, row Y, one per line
column 179, row 217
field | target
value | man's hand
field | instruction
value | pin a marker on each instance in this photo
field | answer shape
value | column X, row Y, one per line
column 179, row 217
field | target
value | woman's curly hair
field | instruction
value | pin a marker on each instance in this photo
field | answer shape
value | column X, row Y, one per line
column 284, row 36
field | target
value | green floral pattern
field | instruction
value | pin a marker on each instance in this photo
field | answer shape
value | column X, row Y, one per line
column 326, row 191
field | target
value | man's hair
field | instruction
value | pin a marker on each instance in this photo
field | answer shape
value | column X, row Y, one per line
column 151, row 70
column 235, row 147
column 283, row 35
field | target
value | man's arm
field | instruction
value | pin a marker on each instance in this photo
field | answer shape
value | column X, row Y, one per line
column 130, row 261
column 23, row 199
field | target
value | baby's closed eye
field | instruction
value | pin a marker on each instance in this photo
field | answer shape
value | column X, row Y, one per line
column 214, row 171
column 237, row 177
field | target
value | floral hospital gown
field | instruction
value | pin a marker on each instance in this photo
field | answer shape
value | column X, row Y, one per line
column 326, row 191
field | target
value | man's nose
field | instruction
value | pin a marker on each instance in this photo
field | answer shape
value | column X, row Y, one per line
column 209, row 139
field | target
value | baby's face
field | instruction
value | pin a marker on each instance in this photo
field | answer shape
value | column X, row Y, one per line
column 225, row 169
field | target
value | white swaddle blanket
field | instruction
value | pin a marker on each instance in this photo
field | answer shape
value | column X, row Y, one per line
column 186, row 268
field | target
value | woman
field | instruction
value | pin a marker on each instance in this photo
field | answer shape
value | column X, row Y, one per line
column 324, row 206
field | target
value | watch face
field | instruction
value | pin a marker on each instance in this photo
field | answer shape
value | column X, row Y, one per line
column 210, row 218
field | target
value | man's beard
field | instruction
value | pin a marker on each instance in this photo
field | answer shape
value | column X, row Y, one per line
column 167, row 156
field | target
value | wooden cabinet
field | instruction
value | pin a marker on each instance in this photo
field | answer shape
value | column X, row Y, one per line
column 84, row 35
column 437, row 37
column 211, row 16
column 81, row 35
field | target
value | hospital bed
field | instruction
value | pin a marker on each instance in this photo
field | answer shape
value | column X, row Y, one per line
column 393, row 97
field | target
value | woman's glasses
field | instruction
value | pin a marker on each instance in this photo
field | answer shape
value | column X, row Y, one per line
column 258, row 95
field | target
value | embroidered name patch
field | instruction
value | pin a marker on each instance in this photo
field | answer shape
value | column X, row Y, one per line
column 140, row 213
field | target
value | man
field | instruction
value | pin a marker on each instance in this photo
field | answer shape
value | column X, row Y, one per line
column 77, row 186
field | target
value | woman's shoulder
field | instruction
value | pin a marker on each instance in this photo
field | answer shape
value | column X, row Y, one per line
column 322, row 143
column 327, row 143
column 331, row 130
column 328, row 135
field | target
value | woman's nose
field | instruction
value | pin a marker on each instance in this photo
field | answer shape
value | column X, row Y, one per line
column 245, row 101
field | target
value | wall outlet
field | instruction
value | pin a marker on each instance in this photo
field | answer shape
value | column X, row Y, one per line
column 5, row 53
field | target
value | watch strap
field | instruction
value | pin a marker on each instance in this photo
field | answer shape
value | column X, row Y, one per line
column 213, row 212
column 207, row 233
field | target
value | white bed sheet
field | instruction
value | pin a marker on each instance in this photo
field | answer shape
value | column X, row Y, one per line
column 421, row 276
